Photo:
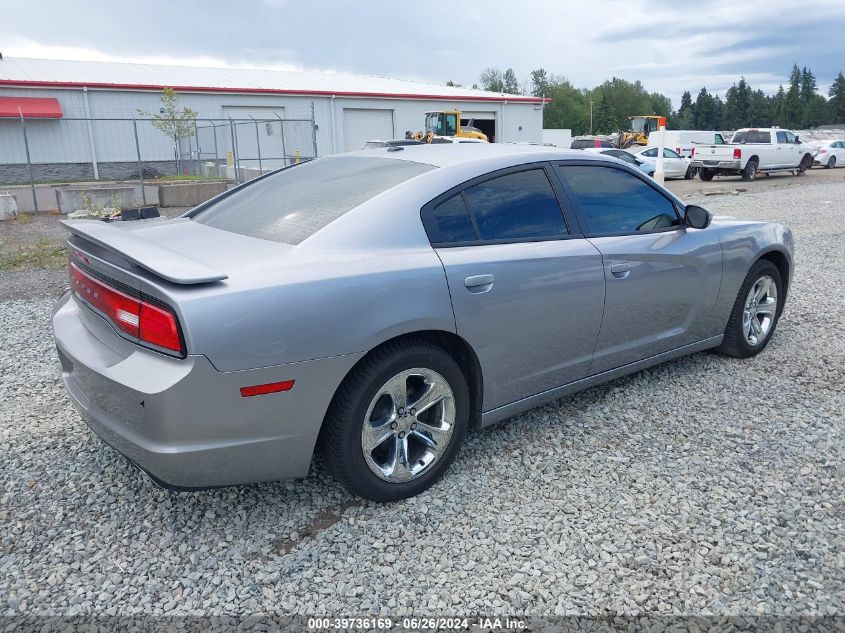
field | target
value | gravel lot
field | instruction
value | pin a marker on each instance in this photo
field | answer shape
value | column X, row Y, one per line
column 704, row 486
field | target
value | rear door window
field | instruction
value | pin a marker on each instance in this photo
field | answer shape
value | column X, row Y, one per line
column 520, row 205
column 615, row 202
column 293, row 204
column 449, row 222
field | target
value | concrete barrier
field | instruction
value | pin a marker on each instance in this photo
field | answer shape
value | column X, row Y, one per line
column 8, row 207
column 71, row 199
column 188, row 194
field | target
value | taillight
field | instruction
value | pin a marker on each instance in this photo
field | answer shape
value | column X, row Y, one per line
column 692, row 153
column 737, row 152
column 159, row 327
column 822, row 150
column 677, row 150
column 139, row 319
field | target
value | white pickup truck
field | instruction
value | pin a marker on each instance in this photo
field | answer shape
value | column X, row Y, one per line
column 751, row 151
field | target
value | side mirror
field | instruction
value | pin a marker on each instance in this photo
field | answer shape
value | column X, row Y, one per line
column 696, row 217
column 797, row 139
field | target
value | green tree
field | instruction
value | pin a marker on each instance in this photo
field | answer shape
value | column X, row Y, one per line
column 492, row 79
column 791, row 112
column 511, row 84
column 759, row 110
column 836, row 104
column 173, row 122
column 605, row 121
column 778, row 107
column 569, row 107
column 706, row 115
column 539, row 82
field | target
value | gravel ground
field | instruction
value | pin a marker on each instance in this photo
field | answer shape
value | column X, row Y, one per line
column 704, row 486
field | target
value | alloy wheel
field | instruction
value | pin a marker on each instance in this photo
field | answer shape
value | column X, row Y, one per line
column 758, row 315
column 408, row 425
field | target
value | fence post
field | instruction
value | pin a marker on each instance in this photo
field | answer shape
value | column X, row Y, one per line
column 257, row 144
column 197, row 138
column 284, row 149
column 28, row 162
column 140, row 167
column 314, row 129
column 216, row 153
column 90, row 133
column 235, row 150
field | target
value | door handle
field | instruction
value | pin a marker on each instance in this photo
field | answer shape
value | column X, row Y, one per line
column 479, row 283
column 620, row 270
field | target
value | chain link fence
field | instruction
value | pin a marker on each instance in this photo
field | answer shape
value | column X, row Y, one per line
column 75, row 150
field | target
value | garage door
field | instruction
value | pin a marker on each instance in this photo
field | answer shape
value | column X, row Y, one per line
column 361, row 125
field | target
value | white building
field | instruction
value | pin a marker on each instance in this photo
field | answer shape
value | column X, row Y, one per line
column 347, row 110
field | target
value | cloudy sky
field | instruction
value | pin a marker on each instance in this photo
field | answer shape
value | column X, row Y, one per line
column 671, row 46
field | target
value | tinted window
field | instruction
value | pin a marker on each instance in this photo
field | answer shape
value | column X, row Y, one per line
column 518, row 205
column 614, row 201
column 578, row 145
column 670, row 153
column 790, row 137
column 651, row 153
column 616, row 153
column 781, row 136
column 752, row 136
column 449, row 222
column 297, row 202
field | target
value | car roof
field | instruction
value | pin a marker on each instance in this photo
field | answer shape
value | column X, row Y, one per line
column 445, row 154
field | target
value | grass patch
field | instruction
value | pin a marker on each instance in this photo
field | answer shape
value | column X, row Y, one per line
column 43, row 253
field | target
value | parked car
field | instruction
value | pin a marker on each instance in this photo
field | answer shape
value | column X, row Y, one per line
column 382, row 302
column 684, row 141
column 583, row 142
column 674, row 165
column 752, row 151
column 396, row 142
column 828, row 154
column 625, row 156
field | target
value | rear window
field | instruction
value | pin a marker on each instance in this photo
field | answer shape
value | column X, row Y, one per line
column 752, row 136
column 295, row 203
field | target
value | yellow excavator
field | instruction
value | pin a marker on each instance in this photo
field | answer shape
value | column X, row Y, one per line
column 641, row 127
column 445, row 123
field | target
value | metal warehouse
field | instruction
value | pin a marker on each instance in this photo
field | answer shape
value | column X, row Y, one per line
column 79, row 119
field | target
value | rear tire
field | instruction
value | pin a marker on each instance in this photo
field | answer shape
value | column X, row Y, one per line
column 706, row 174
column 749, row 172
column 743, row 338
column 831, row 163
column 387, row 459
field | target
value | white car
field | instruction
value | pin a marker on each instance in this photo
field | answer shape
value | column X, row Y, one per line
column 674, row 165
column 829, row 154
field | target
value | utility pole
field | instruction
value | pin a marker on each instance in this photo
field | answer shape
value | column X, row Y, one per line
column 591, row 117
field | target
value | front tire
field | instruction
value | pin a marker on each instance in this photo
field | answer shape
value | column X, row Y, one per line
column 806, row 163
column 755, row 313
column 397, row 421
column 831, row 163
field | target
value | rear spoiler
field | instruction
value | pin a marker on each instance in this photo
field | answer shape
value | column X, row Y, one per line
column 160, row 260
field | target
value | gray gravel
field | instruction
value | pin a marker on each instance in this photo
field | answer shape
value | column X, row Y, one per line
column 705, row 486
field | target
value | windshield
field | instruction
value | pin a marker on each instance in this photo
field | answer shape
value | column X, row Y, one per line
column 441, row 123
column 294, row 203
column 638, row 125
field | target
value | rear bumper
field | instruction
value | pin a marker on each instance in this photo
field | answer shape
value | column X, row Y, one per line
column 733, row 165
column 184, row 422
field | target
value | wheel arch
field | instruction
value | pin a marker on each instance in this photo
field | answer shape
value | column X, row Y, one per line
column 781, row 261
column 455, row 346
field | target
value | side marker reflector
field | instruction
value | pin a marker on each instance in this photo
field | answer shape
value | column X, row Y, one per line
column 272, row 387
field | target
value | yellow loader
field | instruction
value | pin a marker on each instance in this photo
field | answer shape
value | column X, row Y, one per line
column 445, row 123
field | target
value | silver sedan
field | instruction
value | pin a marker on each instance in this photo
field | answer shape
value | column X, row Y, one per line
column 377, row 304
